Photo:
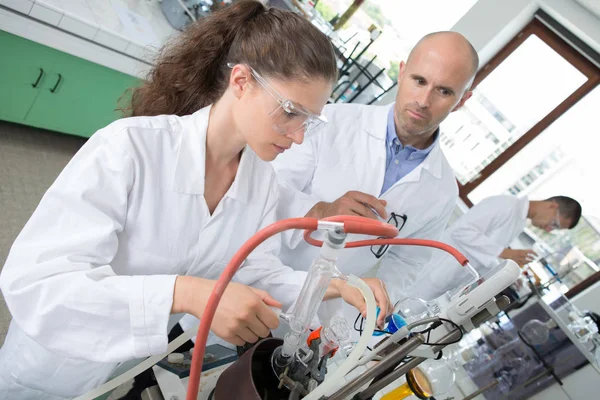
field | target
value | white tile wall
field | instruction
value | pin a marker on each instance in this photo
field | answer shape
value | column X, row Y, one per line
column 99, row 21
column 43, row 13
column 111, row 40
column 78, row 27
column 22, row 6
column 140, row 52
column 79, row 9
column 51, row 4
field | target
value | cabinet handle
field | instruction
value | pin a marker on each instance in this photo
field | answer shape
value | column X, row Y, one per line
column 39, row 78
column 57, row 83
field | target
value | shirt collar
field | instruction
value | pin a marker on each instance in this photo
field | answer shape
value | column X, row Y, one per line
column 391, row 129
column 392, row 137
column 191, row 160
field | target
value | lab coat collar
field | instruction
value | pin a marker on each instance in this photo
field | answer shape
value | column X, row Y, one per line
column 376, row 122
column 376, row 126
column 191, row 160
column 434, row 161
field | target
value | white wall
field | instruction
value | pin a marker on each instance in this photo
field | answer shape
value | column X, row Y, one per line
column 490, row 24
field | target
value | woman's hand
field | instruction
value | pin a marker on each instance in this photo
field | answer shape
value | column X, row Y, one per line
column 243, row 314
column 353, row 296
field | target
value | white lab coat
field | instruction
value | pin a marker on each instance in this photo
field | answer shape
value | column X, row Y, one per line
column 481, row 235
column 349, row 153
column 90, row 279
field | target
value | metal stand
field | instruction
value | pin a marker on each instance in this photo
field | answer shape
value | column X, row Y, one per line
column 403, row 369
column 386, row 363
column 389, row 361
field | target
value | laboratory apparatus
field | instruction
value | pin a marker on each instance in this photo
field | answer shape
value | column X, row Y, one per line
column 585, row 325
column 297, row 366
column 431, row 378
column 537, row 332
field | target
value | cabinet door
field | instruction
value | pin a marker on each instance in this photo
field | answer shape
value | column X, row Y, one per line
column 24, row 69
column 81, row 97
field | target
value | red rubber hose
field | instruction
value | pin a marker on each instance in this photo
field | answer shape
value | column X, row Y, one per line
column 352, row 224
column 215, row 296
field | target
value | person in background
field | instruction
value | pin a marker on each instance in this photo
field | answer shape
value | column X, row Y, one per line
column 141, row 222
column 384, row 162
column 483, row 234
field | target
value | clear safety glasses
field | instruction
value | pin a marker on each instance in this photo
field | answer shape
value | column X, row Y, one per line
column 399, row 220
column 289, row 117
column 555, row 223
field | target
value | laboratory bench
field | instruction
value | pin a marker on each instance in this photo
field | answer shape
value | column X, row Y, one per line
column 65, row 63
column 561, row 368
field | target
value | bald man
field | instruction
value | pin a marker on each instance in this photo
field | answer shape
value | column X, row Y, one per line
column 383, row 162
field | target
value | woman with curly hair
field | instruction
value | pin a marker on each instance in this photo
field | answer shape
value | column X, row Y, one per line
column 140, row 223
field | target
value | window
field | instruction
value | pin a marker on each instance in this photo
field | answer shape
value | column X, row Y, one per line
column 490, row 136
column 569, row 166
column 547, row 143
column 516, row 96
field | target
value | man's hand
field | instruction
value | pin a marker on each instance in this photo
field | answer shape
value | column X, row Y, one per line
column 352, row 203
column 521, row 257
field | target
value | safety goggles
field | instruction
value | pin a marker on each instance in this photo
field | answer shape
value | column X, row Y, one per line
column 288, row 117
column 399, row 220
column 555, row 223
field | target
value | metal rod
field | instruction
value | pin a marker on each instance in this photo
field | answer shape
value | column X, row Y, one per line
column 541, row 358
column 348, row 59
column 363, row 50
column 394, row 357
column 501, row 302
column 365, row 86
column 382, row 94
column 490, row 385
column 449, row 338
column 380, row 384
column 403, row 369
column 348, row 84
column 361, row 71
column 546, row 372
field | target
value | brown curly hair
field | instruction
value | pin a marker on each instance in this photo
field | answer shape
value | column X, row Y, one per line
column 192, row 73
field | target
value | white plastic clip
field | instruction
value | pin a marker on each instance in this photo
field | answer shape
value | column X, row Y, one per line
column 330, row 225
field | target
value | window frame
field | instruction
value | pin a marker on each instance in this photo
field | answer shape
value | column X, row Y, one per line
column 574, row 57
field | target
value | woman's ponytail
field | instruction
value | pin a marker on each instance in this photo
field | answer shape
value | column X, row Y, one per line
column 191, row 72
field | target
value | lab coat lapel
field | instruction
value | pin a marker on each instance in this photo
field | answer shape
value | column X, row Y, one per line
column 432, row 164
column 190, row 168
column 375, row 125
column 240, row 188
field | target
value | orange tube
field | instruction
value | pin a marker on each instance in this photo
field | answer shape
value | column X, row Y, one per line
column 413, row 242
column 352, row 224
